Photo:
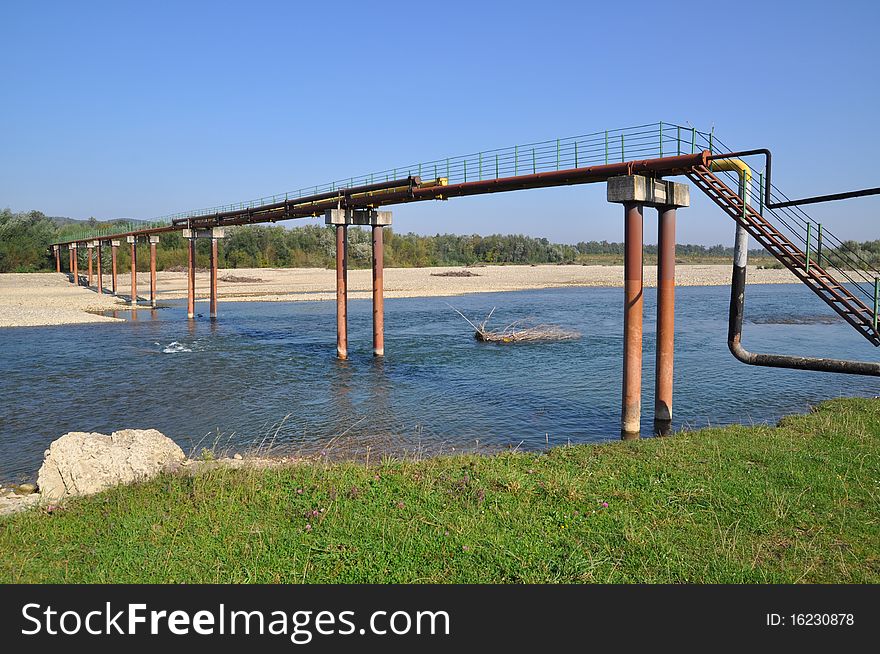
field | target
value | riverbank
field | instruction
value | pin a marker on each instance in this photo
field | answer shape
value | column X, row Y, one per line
column 34, row 299
column 795, row 503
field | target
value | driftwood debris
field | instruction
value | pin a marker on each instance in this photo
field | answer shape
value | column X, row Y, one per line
column 239, row 279
column 519, row 331
column 455, row 273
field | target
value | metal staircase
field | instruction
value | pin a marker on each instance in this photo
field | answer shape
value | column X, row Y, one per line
column 842, row 296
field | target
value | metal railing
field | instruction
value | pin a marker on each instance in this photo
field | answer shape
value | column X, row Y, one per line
column 820, row 246
column 649, row 141
column 104, row 232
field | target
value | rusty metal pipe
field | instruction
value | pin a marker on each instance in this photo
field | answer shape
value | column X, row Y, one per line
column 734, row 336
column 665, row 353
column 339, row 195
column 421, row 192
column 134, row 272
column 57, row 250
column 415, row 191
column 113, row 247
column 378, row 292
column 768, row 186
column 341, row 292
column 411, row 189
column 70, row 264
column 75, row 266
column 191, row 279
column 90, row 264
column 632, row 321
column 152, row 271
column 100, row 272
column 213, row 308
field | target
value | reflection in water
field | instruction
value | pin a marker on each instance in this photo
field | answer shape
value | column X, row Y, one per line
column 265, row 374
column 340, row 393
column 794, row 319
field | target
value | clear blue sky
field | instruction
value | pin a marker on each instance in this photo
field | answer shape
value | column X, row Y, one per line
column 138, row 109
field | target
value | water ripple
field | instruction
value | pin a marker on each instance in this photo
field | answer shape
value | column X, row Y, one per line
column 267, row 372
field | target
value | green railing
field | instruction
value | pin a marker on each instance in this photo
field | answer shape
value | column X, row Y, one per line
column 104, row 232
column 608, row 146
column 821, row 247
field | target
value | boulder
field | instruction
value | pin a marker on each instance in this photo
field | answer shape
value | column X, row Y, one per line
column 81, row 463
column 25, row 489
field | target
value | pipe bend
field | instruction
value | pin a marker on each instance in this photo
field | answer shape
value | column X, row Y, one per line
column 739, row 352
column 843, row 366
column 734, row 344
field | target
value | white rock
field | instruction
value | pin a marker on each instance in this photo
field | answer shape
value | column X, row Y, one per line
column 80, row 463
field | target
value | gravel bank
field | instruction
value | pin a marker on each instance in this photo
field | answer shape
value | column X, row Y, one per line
column 39, row 299
column 50, row 299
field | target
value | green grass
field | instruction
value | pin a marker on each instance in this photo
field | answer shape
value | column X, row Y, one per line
column 798, row 502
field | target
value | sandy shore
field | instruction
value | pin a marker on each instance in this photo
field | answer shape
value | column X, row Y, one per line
column 35, row 299
column 49, row 298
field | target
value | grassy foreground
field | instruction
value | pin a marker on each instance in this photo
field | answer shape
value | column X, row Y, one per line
column 799, row 502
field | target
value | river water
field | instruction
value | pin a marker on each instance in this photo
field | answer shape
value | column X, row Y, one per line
column 265, row 374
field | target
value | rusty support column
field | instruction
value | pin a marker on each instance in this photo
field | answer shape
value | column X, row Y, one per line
column 191, row 278
column 342, row 291
column 665, row 320
column 57, row 250
column 113, row 246
column 70, row 263
column 632, row 321
column 378, row 292
column 90, row 247
column 75, row 264
column 133, row 241
column 635, row 192
column 213, row 306
column 153, row 241
column 100, row 272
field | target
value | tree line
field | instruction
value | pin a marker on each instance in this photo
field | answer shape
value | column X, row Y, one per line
column 25, row 246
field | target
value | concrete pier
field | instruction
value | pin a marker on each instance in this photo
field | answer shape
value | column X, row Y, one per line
column 214, row 233
column 377, row 221
column 635, row 192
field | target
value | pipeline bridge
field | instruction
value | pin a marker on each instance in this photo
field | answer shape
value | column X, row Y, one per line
column 635, row 163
